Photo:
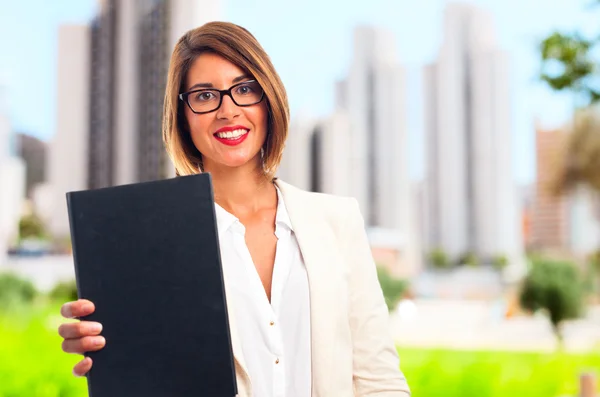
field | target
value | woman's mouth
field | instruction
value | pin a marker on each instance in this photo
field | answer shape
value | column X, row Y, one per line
column 232, row 137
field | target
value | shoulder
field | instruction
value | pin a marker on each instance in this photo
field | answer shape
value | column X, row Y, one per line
column 336, row 209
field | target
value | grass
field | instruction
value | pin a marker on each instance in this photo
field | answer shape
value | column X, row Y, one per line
column 452, row 373
column 33, row 365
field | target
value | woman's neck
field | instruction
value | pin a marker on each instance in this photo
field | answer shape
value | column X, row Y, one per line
column 243, row 190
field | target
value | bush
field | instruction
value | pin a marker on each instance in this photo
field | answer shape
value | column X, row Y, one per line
column 555, row 287
column 15, row 291
column 65, row 291
column 31, row 226
column 468, row 259
column 439, row 259
column 392, row 287
column 499, row 262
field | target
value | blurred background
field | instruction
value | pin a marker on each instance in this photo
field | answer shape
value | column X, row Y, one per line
column 468, row 131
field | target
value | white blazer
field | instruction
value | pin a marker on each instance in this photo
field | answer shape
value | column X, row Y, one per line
column 352, row 351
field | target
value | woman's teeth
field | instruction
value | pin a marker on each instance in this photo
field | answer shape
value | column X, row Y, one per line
column 231, row 134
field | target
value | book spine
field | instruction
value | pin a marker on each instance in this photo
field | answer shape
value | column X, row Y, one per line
column 72, row 226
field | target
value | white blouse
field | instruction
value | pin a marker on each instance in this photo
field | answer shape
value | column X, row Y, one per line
column 275, row 336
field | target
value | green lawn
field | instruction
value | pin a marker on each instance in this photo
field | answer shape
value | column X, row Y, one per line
column 452, row 373
column 32, row 365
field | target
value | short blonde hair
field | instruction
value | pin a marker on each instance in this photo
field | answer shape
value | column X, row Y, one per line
column 240, row 47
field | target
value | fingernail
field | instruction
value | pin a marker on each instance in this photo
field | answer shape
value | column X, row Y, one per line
column 95, row 327
column 99, row 341
column 67, row 312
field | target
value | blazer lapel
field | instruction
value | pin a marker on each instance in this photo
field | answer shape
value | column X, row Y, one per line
column 315, row 240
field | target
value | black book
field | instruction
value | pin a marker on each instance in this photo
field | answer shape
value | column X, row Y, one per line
column 147, row 255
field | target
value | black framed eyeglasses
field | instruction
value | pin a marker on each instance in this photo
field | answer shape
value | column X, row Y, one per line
column 206, row 100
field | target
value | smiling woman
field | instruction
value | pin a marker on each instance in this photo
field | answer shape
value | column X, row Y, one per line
column 226, row 57
column 306, row 311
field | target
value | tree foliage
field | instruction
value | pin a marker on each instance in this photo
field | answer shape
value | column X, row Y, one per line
column 555, row 287
column 31, row 226
column 439, row 259
column 392, row 287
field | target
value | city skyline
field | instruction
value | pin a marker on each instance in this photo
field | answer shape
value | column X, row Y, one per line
column 471, row 205
column 516, row 31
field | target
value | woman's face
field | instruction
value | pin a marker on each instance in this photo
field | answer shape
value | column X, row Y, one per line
column 231, row 136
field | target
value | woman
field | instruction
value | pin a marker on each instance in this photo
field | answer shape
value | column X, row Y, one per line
column 306, row 310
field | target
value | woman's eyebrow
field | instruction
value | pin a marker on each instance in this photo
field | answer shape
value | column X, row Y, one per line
column 209, row 85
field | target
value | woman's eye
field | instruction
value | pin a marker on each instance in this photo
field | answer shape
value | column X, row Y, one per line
column 204, row 96
column 244, row 89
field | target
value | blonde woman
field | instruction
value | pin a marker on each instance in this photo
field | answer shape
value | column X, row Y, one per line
column 307, row 314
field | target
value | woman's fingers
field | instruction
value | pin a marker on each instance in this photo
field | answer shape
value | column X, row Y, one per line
column 79, row 308
column 82, row 367
column 80, row 329
column 83, row 345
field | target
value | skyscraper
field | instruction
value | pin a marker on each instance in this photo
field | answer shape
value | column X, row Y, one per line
column 373, row 97
column 120, row 62
column 331, row 155
column 295, row 167
column 549, row 222
column 472, row 203
column 68, row 156
column 560, row 222
column 12, row 183
column 33, row 152
column 131, row 46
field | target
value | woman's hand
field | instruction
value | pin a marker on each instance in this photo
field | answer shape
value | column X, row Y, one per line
column 80, row 337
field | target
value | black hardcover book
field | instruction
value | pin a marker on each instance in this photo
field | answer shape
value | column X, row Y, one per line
column 147, row 255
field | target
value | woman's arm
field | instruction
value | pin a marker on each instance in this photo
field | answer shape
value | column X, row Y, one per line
column 376, row 367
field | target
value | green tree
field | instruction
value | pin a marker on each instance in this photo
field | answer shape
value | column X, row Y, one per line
column 570, row 63
column 439, row 259
column 31, row 226
column 556, row 288
column 392, row 287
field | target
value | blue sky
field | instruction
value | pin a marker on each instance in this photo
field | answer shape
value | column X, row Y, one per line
column 311, row 41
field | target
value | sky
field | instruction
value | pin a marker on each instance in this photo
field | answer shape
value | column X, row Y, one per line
column 310, row 43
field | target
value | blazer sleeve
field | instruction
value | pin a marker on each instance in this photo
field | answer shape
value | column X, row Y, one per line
column 376, row 365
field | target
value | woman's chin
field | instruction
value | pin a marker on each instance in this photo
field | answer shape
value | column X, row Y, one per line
column 237, row 162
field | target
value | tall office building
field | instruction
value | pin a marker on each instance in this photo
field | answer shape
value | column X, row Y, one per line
column 12, row 183
column 317, row 154
column 373, row 97
column 566, row 222
column 133, row 41
column 330, row 155
column 120, row 62
column 549, row 220
column 472, row 201
column 295, row 167
column 33, row 151
column 68, row 156
column 102, row 106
